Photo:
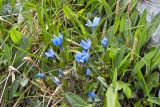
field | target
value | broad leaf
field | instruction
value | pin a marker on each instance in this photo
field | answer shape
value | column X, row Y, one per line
column 102, row 80
column 15, row 36
column 112, row 98
column 13, row 89
column 127, row 91
column 75, row 100
column 155, row 100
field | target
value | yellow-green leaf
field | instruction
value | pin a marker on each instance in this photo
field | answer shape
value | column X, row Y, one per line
column 15, row 36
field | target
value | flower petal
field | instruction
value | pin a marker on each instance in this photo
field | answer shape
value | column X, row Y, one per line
column 96, row 21
column 49, row 53
column 56, row 81
column 89, row 23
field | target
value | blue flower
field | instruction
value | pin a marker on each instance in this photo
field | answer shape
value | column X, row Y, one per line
column 49, row 53
column 88, row 71
column 58, row 40
column 40, row 75
column 60, row 72
column 104, row 42
column 95, row 22
column 85, row 55
column 86, row 44
column 82, row 57
column 79, row 57
column 91, row 95
column 56, row 81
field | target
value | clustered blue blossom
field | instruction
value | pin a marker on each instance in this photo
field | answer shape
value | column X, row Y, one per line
column 80, row 57
column 83, row 56
column 57, row 41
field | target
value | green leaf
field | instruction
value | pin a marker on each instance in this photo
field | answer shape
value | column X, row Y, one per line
column 155, row 100
column 122, row 24
column 153, row 25
column 112, row 97
column 7, row 51
column 13, row 89
column 123, row 6
column 152, row 82
column 125, row 86
column 114, row 80
column 116, row 24
column 126, row 30
column 73, row 17
column 148, row 58
column 103, row 81
column 6, row 95
column 127, row 91
column 1, row 2
column 121, row 67
column 106, row 6
column 24, row 82
column 138, row 104
column 142, row 80
column 63, row 105
column 133, row 4
column 15, row 36
column 156, row 60
column 90, row 105
column 134, row 17
column 140, row 32
column 40, row 16
column 30, row 54
column 120, row 85
column 119, row 57
column 75, row 100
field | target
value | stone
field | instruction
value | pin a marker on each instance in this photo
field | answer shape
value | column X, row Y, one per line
column 153, row 8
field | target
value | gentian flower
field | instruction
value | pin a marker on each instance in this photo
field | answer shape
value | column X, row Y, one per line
column 40, row 75
column 58, row 40
column 86, row 44
column 88, row 71
column 82, row 57
column 60, row 72
column 79, row 57
column 49, row 53
column 85, row 56
column 95, row 22
column 104, row 42
column 56, row 81
column 91, row 95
